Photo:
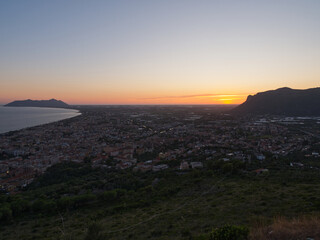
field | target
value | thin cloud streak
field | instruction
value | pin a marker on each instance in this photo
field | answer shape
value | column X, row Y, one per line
column 197, row 95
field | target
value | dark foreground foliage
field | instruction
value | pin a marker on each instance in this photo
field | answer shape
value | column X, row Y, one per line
column 230, row 232
column 76, row 201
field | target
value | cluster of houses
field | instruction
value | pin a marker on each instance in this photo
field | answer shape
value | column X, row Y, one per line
column 142, row 140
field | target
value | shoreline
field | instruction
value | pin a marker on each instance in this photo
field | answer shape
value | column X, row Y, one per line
column 78, row 112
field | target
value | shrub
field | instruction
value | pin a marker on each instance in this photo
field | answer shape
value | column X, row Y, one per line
column 5, row 213
column 109, row 196
column 230, row 232
column 227, row 168
column 65, row 202
column 38, row 205
column 94, row 232
column 44, row 205
column 18, row 206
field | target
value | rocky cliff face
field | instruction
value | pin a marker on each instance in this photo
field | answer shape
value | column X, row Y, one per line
column 283, row 101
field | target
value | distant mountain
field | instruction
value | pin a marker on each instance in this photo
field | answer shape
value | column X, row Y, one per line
column 283, row 101
column 52, row 103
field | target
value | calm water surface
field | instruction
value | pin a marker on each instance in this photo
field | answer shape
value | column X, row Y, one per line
column 15, row 118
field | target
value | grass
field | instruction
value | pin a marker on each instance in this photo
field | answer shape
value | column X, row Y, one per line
column 305, row 227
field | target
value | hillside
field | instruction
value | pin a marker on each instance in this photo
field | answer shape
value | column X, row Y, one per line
column 73, row 198
column 53, row 103
column 283, row 101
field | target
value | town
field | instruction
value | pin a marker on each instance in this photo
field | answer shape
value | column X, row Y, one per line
column 156, row 138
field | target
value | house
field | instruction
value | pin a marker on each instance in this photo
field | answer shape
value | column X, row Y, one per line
column 260, row 157
column 260, row 171
column 184, row 165
column 142, row 167
column 123, row 165
column 196, row 164
column 159, row 167
column 297, row 164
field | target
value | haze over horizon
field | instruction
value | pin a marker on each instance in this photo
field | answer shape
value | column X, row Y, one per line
column 164, row 52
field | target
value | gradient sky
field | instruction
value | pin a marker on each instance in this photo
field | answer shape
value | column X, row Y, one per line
column 156, row 52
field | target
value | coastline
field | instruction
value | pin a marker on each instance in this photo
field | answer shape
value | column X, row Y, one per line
column 36, row 123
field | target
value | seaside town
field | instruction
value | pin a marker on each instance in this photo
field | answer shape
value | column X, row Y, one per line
column 154, row 138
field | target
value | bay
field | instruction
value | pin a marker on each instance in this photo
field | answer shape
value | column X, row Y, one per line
column 16, row 118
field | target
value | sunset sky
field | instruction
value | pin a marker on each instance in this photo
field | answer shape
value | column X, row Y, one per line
column 156, row 52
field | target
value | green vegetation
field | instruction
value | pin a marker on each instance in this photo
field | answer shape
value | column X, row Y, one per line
column 229, row 232
column 94, row 232
column 75, row 201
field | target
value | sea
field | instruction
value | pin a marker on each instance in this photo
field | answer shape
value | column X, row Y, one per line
column 16, row 118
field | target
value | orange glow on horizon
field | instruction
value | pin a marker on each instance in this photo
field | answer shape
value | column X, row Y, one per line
column 195, row 99
column 132, row 100
column 91, row 95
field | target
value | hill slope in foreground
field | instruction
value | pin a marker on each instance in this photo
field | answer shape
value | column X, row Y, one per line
column 68, row 202
column 53, row 103
column 283, row 101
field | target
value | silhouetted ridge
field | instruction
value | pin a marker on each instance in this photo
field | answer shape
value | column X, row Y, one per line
column 283, row 101
column 53, row 103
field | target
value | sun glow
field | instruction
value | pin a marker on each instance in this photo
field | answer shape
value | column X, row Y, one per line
column 197, row 99
column 228, row 100
column 156, row 52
